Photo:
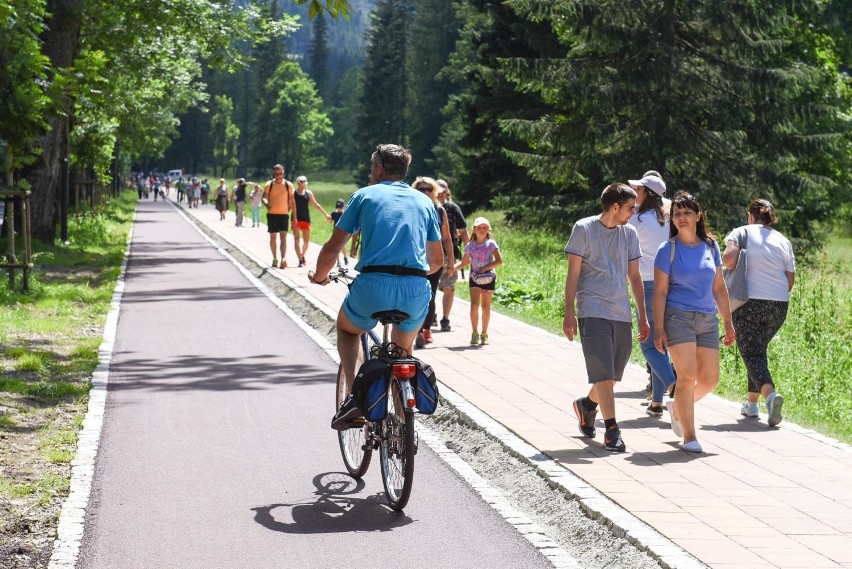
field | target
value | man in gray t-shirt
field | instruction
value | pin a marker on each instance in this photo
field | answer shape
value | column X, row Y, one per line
column 603, row 252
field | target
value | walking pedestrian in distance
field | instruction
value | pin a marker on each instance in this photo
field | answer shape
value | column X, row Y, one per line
column 302, row 197
column 688, row 291
column 483, row 255
column 460, row 237
column 240, row 196
column 603, row 254
column 770, row 274
column 278, row 199
column 221, row 194
column 254, row 200
column 652, row 222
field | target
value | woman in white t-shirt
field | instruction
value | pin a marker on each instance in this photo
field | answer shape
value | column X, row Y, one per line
column 651, row 221
column 770, row 275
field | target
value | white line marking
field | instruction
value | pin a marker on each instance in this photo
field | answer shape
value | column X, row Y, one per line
column 72, row 519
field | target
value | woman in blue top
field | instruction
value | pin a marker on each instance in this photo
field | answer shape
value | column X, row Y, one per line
column 688, row 290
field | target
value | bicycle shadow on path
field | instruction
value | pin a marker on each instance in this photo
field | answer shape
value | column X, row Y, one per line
column 334, row 509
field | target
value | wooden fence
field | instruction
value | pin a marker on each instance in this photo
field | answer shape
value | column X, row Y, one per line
column 17, row 201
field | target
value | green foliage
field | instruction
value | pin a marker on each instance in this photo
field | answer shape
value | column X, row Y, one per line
column 342, row 153
column 297, row 129
column 334, row 8
column 434, row 30
column 225, row 135
column 472, row 148
column 319, row 57
column 23, row 97
column 381, row 110
column 727, row 100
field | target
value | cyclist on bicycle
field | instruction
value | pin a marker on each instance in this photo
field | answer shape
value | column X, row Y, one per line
column 400, row 246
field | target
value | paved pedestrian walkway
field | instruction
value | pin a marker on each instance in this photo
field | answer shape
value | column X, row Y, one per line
column 757, row 497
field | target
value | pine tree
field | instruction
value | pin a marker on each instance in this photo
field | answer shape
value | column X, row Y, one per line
column 434, row 31
column 473, row 145
column 319, row 57
column 383, row 99
column 710, row 93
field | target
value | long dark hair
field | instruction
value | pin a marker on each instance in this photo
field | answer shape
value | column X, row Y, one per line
column 684, row 200
column 652, row 201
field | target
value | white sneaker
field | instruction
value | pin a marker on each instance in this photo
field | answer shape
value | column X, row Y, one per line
column 676, row 427
column 773, row 407
column 692, row 446
column 749, row 410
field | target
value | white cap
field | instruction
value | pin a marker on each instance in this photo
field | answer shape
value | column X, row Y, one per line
column 302, row 179
column 653, row 183
column 481, row 221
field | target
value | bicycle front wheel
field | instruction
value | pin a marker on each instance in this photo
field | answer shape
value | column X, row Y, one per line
column 396, row 450
column 354, row 445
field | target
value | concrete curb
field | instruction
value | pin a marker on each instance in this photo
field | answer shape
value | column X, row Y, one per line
column 72, row 518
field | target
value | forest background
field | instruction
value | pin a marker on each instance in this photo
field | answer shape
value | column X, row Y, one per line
column 527, row 106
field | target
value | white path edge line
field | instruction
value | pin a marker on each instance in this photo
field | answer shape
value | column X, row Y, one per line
column 72, row 518
column 560, row 558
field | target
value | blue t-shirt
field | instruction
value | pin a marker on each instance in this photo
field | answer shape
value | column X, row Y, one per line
column 691, row 275
column 395, row 221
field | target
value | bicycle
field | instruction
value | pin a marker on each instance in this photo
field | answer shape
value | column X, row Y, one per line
column 394, row 437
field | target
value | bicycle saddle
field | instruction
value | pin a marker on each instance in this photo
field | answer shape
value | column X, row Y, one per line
column 390, row 316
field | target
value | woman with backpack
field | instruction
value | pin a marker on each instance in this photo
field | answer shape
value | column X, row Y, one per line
column 688, row 291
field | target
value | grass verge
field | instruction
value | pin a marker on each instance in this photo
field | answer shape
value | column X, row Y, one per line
column 49, row 339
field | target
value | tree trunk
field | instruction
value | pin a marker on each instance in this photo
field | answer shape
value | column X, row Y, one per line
column 61, row 42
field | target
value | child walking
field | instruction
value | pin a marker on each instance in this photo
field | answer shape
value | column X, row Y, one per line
column 254, row 200
column 483, row 255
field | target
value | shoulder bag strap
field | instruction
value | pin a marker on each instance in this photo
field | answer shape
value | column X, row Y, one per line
column 671, row 253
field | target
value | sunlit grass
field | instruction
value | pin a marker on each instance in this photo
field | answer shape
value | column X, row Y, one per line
column 10, row 489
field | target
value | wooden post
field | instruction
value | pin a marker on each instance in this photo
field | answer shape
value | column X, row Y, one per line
column 10, row 219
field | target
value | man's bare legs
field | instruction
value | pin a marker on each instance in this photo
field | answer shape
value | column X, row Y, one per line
column 273, row 246
column 603, row 393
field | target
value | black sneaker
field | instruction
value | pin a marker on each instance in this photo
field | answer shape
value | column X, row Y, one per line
column 612, row 440
column 585, row 418
column 445, row 324
column 348, row 416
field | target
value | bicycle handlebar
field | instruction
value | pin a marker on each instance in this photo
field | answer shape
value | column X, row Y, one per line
column 341, row 274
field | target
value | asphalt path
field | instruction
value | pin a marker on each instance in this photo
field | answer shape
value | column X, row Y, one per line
column 216, row 448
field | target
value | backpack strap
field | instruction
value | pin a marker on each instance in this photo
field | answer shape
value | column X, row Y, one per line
column 671, row 253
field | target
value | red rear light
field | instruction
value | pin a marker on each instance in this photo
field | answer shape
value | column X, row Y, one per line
column 411, row 403
column 404, row 371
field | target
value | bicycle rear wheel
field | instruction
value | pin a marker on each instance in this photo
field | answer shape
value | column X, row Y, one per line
column 396, row 450
column 354, row 447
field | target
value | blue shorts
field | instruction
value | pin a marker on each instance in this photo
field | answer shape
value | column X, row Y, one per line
column 374, row 292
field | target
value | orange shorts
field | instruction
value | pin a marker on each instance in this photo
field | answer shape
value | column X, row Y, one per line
column 302, row 225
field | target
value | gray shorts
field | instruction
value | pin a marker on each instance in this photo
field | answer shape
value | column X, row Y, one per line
column 448, row 281
column 698, row 328
column 606, row 347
